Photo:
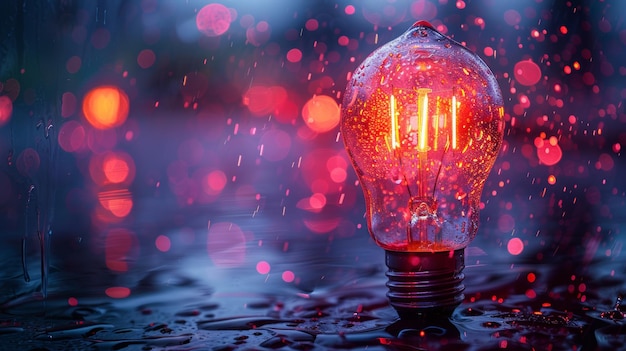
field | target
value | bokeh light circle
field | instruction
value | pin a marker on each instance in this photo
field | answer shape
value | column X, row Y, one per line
column 146, row 58
column 163, row 243
column 213, row 20
column 288, row 276
column 527, row 73
column 6, row 109
column 106, row 107
column 214, row 182
column 117, row 292
column 515, row 246
column 321, row 113
column 263, row 267
column 549, row 154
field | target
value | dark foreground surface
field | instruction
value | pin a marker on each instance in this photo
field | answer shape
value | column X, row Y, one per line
column 188, row 305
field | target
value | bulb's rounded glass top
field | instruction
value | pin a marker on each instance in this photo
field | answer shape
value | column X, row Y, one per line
column 422, row 121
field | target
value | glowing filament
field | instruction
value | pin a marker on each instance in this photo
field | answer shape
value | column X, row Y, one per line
column 422, row 111
column 453, row 122
column 394, row 122
column 419, row 123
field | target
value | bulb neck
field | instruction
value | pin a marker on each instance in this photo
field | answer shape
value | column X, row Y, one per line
column 425, row 283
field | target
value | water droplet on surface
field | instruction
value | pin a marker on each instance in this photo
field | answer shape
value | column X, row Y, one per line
column 613, row 315
column 471, row 312
column 491, row 325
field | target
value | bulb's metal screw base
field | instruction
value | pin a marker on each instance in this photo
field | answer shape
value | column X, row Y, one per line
column 425, row 283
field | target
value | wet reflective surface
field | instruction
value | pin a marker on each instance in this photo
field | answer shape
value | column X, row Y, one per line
column 172, row 177
column 186, row 304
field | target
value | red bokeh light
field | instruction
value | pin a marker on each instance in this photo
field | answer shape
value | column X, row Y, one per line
column 288, row 276
column 263, row 267
column 146, row 58
column 120, row 246
column 6, row 109
column 262, row 100
column 117, row 292
column 531, row 294
column 311, row 24
column 527, row 73
column 213, row 20
column 106, row 107
column 423, row 10
column 325, row 180
column 294, row 55
column 549, row 152
column 112, row 167
column 115, row 168
column 317, row 201
column 214, row 182
column 118, row 202
column 163, row 243
column 515, row 246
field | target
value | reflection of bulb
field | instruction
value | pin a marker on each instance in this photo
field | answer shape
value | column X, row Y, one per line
column 422, row 123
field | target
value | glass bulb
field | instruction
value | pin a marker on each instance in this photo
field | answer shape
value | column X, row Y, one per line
column 422, row 121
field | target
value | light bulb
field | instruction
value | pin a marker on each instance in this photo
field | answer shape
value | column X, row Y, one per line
column 422, row 121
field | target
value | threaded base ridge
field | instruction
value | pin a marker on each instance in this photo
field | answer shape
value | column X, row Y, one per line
column 425, row 282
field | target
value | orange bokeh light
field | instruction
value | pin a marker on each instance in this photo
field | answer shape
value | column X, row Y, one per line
column 118, row 202
column 106, row 107
column 527, row 73
column 321, row 113
column 120, row 207
column 262, row 100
